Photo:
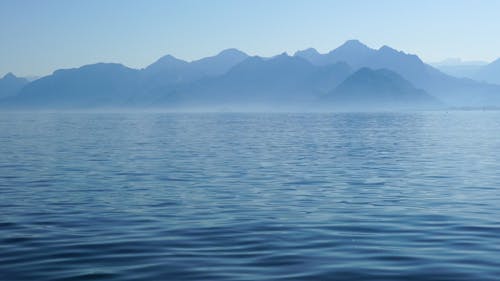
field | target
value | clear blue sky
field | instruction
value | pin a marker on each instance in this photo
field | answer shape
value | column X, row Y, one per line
column 39, row 36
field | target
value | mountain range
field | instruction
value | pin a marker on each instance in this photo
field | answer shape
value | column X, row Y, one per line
column 352, row 76
column 479, row 71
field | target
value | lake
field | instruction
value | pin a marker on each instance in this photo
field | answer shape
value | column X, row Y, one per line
column 227, row 196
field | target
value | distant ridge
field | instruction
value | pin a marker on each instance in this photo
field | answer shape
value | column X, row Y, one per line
column 489, row 73
column 352, row 74
column 451, row 90
column 220, row 63
column 10, row 85
column 89, row 86
column 382, row 88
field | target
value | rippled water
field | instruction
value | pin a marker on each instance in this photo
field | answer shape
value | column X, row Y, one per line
column 375, row 196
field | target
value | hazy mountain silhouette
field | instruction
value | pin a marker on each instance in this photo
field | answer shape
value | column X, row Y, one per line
column 116, row 85
column 168, row 73
column 459, row 68
column 453, row 91
column 11, row 85
column 171, row 70
column 489, row 73
column 358, row 55
column 220, row 63
column 352, row 52
column 280, row 80
column 88, row 86
column 311, row 55
column 232, row 78
column 378, row 89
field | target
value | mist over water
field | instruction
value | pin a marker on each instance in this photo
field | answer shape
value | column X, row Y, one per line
column 226, row 196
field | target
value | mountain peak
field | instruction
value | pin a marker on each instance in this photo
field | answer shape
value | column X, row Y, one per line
column 388, row 49
column 169, row 59
column 10, row 85
column 353, row 44
column 352, row 47
column 283, row 55
column 388, row 53
column 381, row 88
column 311, row 55
column 353, row 52
column 306, row 53
column 231, row 52
column 220, row 63
column 9, row 75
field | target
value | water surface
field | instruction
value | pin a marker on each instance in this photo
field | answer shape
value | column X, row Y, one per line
column 348, row 196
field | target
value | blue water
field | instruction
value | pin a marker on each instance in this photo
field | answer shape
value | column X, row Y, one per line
column 351, row 196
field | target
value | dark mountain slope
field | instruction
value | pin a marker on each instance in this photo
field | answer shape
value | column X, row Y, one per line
column 379, row 89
